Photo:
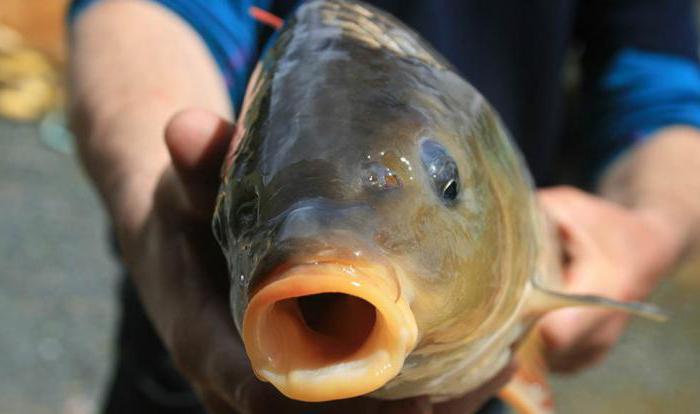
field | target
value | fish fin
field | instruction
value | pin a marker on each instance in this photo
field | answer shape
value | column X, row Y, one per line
column 526, row 398
column 529, row 392
column 545, row 300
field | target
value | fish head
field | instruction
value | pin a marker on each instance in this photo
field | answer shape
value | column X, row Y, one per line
column 374, row 207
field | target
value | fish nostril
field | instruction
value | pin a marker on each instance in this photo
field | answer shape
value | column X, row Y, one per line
column 377, row 177
column 309, row 219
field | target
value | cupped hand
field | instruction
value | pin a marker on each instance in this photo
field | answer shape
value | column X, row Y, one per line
column 182, row 281
column 612, row 251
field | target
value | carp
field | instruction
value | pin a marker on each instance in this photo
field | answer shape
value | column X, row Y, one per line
column 380, row 228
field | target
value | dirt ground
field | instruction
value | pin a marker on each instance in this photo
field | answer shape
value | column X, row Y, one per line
column 56, row 280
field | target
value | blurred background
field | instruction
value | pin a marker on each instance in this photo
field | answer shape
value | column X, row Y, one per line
column 57, row 280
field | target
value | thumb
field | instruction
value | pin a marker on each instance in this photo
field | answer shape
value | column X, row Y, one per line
column 198, row 141
column 576, row 338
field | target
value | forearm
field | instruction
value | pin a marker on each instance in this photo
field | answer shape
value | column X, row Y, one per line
column 661, row 177
column 133, row 66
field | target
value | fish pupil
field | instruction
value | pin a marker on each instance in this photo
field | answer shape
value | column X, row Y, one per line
column 449, row 193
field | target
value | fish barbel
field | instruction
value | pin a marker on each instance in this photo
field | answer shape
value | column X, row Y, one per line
column 381, row 230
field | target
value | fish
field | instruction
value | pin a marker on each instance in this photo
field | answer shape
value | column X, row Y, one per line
column 380, row 227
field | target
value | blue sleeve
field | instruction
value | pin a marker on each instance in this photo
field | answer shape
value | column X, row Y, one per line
column 225, row 26
column 641, row 72
column 640, row 93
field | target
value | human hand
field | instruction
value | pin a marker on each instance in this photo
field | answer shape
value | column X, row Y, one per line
column 612, row 251
column 182, row 281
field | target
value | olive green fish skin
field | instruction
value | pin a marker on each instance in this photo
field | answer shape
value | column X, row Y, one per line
column 351, row 131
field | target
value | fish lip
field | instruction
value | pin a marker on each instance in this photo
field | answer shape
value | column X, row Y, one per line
column 276, row 264
column 328, row 275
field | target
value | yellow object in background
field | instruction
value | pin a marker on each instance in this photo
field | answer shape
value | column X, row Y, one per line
column 40, row 23
column 32, row 53
column 29, row 84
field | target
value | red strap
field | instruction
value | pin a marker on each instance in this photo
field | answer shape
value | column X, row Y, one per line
column 265, row 17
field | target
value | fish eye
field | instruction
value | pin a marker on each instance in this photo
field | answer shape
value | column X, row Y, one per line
column 441, row 169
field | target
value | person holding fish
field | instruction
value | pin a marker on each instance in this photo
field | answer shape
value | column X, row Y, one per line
column 385, row 250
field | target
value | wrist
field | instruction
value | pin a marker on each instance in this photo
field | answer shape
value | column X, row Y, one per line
column 671, row 231
column 126, row 186
column 657, row 179
column 124, row 155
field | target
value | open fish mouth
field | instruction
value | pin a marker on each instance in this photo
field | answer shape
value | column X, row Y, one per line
column 329, row 329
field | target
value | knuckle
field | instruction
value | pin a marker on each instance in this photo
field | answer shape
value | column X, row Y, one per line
column 566, row 192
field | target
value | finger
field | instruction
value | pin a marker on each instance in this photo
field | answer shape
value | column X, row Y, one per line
column 198, row 141
column 560, row 205
column 566, row 207
column 577, row 338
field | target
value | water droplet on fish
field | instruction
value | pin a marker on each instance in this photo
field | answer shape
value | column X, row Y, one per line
column 408, row 164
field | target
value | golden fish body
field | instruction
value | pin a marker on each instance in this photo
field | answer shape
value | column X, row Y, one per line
column 380, row 227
